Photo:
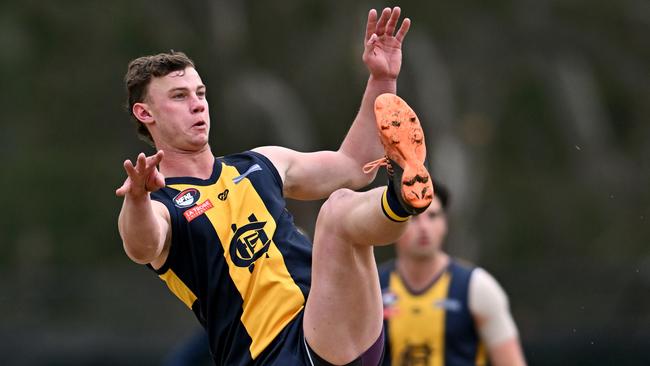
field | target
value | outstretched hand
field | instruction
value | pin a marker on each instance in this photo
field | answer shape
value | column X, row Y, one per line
column 383, row 46
column 144, row 177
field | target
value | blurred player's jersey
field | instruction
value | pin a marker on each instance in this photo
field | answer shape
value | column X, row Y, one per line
column 432, row 327
column 237, row 260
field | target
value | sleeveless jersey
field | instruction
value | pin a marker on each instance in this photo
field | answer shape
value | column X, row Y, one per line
column 433, row 327
column 236, row 258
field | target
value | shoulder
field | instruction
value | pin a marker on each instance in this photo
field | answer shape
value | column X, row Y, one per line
column 482, row 278
column 461, row 265
column 461, row 272
column 248, row 162
column 485, row 293
column 277, row 156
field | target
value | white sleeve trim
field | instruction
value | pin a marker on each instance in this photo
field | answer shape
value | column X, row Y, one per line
column 489, row 306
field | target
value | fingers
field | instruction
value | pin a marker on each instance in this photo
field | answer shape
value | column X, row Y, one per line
column 141, row 163
column 392, row 21
column 383, row 19
column 121, row 192
column 371, row 25
column 143, row 175
column 155, row 181
column 387, row 23
column 155, row 159
column 401, row 33
column 130, row 169
column 372, row 40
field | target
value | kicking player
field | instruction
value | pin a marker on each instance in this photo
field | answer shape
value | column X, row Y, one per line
column 438, row 310
column 216, row 230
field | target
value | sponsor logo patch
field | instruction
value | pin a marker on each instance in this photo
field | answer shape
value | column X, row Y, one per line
column 186, row 198
column 197, row 210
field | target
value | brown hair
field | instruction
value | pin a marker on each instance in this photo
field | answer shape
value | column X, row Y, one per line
column 138, row 77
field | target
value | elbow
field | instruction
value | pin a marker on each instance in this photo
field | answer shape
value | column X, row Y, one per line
column 358, row 178
column 140, row 255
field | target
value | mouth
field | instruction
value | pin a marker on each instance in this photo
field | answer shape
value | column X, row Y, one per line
column 200, row 124
column 423, row 242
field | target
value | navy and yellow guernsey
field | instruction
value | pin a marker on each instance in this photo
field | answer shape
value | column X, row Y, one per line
column 432, row 327
column 237, row 260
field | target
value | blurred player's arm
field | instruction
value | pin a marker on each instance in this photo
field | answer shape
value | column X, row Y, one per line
column 317, row 175
column 488, row 303
column 144, row 224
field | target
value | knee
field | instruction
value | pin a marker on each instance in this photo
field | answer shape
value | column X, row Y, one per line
column 331, row 211
column 335, row 202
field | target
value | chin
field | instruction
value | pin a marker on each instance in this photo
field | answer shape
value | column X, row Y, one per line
column 423, row 254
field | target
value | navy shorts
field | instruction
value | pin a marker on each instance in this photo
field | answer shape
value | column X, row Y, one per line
column 291, row 348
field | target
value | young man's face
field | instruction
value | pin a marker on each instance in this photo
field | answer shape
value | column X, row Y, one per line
column 178, row 105
column 425, row 233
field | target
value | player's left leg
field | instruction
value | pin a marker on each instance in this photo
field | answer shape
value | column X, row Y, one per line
column 343, row 314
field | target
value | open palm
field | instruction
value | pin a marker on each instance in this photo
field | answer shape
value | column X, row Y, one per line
column 383, row 46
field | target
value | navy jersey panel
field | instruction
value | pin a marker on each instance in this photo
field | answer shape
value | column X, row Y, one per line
column 462, row 340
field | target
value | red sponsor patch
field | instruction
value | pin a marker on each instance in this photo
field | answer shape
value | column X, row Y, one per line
column 197, row 210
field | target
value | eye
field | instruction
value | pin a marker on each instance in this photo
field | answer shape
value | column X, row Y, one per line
column 178, row 95
column 433, row 215
column 201, row 93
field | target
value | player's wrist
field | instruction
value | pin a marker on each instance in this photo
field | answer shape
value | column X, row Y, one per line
column 386, row 81
column 137, row 196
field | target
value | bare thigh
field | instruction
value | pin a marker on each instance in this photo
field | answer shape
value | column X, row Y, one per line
column 343, row 315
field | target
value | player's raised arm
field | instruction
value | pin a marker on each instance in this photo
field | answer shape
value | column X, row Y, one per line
column 317, row 175
column 143, row 223
column 383, row 58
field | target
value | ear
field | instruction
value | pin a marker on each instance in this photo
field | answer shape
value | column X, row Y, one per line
column 142, row 113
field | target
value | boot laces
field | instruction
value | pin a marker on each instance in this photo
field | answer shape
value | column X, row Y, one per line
column 369, row 167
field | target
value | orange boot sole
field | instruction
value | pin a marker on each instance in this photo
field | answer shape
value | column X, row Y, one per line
column 403, row 139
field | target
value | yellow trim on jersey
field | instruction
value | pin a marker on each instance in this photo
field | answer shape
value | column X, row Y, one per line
column 391, row 214
column 417, row 325
column 271, row 298
column 178, row 288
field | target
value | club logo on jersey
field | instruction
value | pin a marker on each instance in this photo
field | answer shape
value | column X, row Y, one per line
column 449, row 304
column 416, row 354
column 223, row 195
column 249, row 243
column 186, row 198
column 253, row 168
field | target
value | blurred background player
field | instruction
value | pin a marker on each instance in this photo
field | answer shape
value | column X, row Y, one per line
column 439, row 310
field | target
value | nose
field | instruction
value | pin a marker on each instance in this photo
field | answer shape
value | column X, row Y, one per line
column 198, row 104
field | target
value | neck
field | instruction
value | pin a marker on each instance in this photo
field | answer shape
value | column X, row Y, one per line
column 418, row 273
column 179, row 163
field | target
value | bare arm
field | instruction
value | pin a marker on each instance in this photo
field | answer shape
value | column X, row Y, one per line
column 507, row 353
column 144, row 224
column 316, row 175
column 488, row 304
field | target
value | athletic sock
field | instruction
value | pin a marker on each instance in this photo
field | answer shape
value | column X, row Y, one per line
column 391, row 206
